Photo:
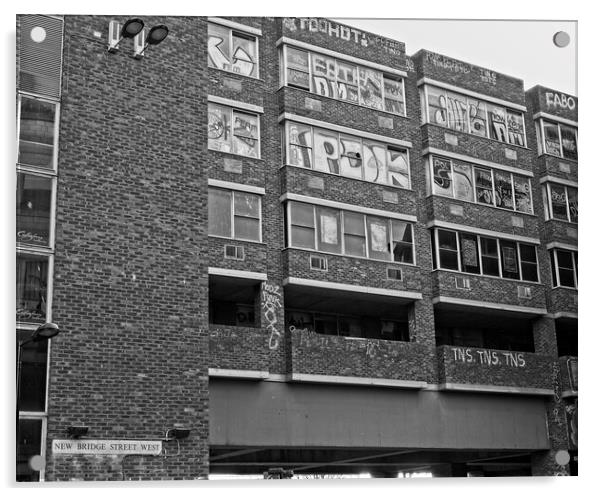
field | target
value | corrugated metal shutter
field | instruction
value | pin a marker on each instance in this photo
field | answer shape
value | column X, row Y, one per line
column 40, row 63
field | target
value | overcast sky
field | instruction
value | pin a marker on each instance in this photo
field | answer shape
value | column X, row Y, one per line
column 523, row 49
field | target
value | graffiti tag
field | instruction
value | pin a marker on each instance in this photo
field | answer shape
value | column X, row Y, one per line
column 271, row 300
column 489, row 357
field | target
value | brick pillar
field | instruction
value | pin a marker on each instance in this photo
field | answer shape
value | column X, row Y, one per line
column 545, row 463
column 272, row 320
column 421, row 323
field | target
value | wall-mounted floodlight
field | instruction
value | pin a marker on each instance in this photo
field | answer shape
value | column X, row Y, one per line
column 76, row 431
column 155, row 36
column 130, row 29
column 177, row 433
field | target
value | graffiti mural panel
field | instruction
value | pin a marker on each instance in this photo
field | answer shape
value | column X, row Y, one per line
column 484, row 186
column 347, row 87
column 351, row 156
column 323, row 76
column 551, row 138
column 522, row 194
column 573, row 204
column 326, row 151
column 516, row 128
column 219, row 132
column 503, row 190
column 297, row 63
column 371, row 88
column 394, row 96
column 219, row 47
column 463, row 182
column 245, row 135
column 497, row 122
column 398, row 164
column 300, row 143
column 375, row 162
column 569, row 142
column 442, row 178
column 477, row 116
column 437, row 106
column 457, row 112
column 243, row 55
column 379, row 238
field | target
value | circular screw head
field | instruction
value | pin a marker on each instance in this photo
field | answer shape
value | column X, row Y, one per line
column 561, row 39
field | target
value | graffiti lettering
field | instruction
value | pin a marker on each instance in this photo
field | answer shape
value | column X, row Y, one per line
column 560, row 100
column 271, row 300
column 217, row 57
column 29, row 236
column 446, row 63
column 491, row 358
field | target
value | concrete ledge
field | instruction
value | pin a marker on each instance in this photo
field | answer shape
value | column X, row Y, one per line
column 569, row 393
column 358, row 381
column 239, row 374
column 297, row 281
column 488, row 304
column 488, row 388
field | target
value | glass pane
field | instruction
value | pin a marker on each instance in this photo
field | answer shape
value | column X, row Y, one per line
column 32, row 281
column 329, row 225
column 36, row 133
column 351, row 157
column 403, row 249
column 528, row 262
column 559, row 205
column 378, row 230
column 246, row 134
column 297, row 63
column 565, row 260
column 399, row 167
column 522, row 194
column 32, row 380
column 355, row 236
column 34, row 195
column 567, row 277
column 302, row 214
column 246, row 228
column 569, row 142
column 516, row 130
column 219, row 129
column 503, row 190
column 302, row 237
column 447, row 240
column 371, row 88
column 477, row 115
column 573, row 204
column 442, row 177
column 484, row 186
column 219, row 47
column 553, row 263
column 246, row 204
column 355, row 245
column 375, row 162
column 29, row 444
column 463, row 181
column 323, row 80
column 244, row 58
column 299, row 320
column 300, row 142
column 448, row 250
column 347, row 82
column 509, row 260
column 469, row 253
column 326, row 151
column 457, row 113
column 394, row 96
column 497, row 123
column 489, row 257
column 354, row 223
column 220, row 212
column 437, row 106
column 551, row 138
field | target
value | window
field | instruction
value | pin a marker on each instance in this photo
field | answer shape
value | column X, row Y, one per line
column 32, row 286
column 559, row 140
column 564, row 268
column 484, row 256
column 37, row 132
column 233, row 131
column 34, row 197
column 342, row 80
column 232, row 51
column 232, row 301
column 347, row 155
column 350, row 233
column 456, row 179
column 473, row 116
column 561, row 202
column 234, row 214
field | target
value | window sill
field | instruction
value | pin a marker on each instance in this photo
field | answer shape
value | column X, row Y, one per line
column 475, row 136
column 571, row 160
column 354, row 257
column 498, row 209
column 563, row 221
column 234, row 155
column 231, row 73
column 237, row 240
column 565, row 287
column 496, row 278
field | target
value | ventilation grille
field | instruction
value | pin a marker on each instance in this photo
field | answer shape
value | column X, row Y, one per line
column 394, row 273
column 462, row 283
column 40, row 55
column 524, row 292
column 234, row 252
column 318, row 263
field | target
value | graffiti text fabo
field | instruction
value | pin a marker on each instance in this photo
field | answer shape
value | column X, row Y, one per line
column 316, row 25
column 560, row 100
column 489, row 357
column 271, row 301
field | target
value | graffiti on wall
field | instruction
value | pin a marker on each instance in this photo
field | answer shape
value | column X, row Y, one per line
column 490, row 358
column 313, row 340
column 237, row 55
column 560, row 100
column 452, row 65
column 345, row 33
column 271, row 301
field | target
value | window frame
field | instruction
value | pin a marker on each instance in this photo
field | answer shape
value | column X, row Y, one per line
column 55, row 143
column 231, row 32
column 343, row 234
column 474, row 167
column 232, row 110
column 549, row 204
column 556, row 268
column 541, row 134
column 312, row 129
column 458, row 234
column 488, row 104
column 384, row 75
column 232, row 193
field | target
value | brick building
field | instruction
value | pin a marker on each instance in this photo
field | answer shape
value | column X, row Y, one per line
column 285, row 243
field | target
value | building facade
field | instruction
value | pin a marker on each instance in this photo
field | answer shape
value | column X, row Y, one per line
column 285, row 243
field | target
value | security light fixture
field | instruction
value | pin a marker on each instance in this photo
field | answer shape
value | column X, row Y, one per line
column 130, row 29
column 177, row 433
column 77, row 431
column 155, row 36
